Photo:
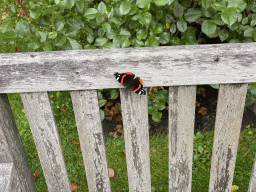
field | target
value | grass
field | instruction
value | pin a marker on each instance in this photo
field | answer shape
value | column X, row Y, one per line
column 62, row 107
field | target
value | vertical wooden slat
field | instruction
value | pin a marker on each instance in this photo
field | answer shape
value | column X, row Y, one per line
column 45, row 133
column 8, row 176
column 87, row 115
column 20, row 177
column 182, row 101
column 136, row 134
column 229, row 116
column 252, row 184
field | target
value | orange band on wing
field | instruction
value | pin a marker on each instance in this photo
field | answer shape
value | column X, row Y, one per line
column 137, row 89
column 127, row 73
column 122, row 80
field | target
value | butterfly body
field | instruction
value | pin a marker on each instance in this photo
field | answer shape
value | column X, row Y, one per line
column 134, row 84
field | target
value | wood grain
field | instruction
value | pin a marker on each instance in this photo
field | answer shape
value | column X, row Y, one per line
column 252, row 184
column 157, row 66
column 87, row 115
column 18, row 174
column 45, row 133
column 182, row 101
column 136, row 135
column 230, row 108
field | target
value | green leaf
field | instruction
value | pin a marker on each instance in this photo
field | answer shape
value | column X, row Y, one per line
column 91, row 13
column 245, row 20
column 145, row 18
column 100, row 19
column 249, row 32
column 90, row 38
column 73, row 44
column 8, row 35
column 102, row 102
column 229, row 15
column 141, row 34
column 206, row 13
column 80, row 6
column 102, row 115
column 47, row 46
column 178, row 10
column 126, row 43
column 43, row 35
column 206, row 4
column 182, row 25
column 101, row 32
column 35, row 14
column 34, row 44
column 60, row 40
column 169, row 18
column 137, row 43
column 100, row 96
column 253, row 22
column 111, row 35
column 152, row 41
column 173, row 28
column 159, row 105
column 208, row 27
column 124, row 32
column 125, row 7
column 100, row 41
column 239, row 4
column 66, row 4
column 158, row 28
column 106, row 27
column 161, row 2
column 239, row 16
column 215, row 86
column 102, row 7
column 52, row 35
column 48, row 10
column 14, row 8
column 220, row 6
column 7, row 24
column 252, row 6
column 156, row 116
column 59, row 23
column 114, row 93
column 143, row 3
column 217, row 19
column 133, row 10
column 21, row 28
column 164, row 38
column 192, row 14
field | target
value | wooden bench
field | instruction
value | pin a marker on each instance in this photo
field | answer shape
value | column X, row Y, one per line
column 84, row 71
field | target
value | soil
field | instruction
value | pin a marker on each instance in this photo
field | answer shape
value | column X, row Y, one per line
column 204, row 119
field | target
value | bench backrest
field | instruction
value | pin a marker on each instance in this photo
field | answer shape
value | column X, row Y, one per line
column 84, row 71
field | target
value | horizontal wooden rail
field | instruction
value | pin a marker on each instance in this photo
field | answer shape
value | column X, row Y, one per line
column 157, row 66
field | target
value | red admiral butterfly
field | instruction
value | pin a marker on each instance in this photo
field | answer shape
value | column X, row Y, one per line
column 127, row 80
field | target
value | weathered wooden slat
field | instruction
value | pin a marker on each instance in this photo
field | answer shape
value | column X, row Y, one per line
column 136, row 135
column 182, row 101
column 45, row 133
column 5, row 176
column 94, row 69
column 18, row 175
column 228, row 123
column 87, row 115
column 252, row 184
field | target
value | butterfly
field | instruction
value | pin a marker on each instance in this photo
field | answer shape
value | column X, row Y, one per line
column 134, row 84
